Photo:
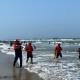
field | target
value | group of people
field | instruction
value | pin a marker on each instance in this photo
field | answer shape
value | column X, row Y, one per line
column 18, row 52
column 29, row 50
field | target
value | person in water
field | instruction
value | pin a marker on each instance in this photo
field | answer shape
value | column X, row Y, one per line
column 79, row 52
column 29, row 50
column 58, row 50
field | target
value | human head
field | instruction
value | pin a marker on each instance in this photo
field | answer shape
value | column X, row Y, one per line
column 59, row 44
column 17, row 39
column 30, row 43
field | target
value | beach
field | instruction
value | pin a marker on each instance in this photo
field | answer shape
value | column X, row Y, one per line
column 44, row 66
column 8, row 72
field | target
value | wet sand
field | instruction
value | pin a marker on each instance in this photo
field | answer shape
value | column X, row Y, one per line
column 8, row 72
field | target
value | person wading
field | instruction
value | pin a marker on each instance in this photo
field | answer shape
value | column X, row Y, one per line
column 29, row 50
column 58, row 50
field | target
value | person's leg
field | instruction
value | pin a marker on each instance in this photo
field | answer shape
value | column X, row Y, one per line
column 57, row 55
column 15, row 59
column 20, row 60
column 79, row 55
column 61, row 55
column 31, row 58
column 27, row 57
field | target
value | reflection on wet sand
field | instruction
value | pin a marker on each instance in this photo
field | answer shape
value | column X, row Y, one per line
column 21, row 74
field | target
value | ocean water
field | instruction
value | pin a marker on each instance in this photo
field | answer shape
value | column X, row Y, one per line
column 45, row 64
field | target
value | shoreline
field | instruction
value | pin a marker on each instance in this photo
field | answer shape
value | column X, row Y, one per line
column 8, row 72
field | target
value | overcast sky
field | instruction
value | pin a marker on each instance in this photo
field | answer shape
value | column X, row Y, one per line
column 39, row 19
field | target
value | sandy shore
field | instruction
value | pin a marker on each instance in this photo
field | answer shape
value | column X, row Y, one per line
column 8, row 72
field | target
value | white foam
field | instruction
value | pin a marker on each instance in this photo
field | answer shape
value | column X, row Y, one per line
column 10, row 53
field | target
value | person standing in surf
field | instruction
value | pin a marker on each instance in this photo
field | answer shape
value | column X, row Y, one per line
column 79, row 52
column 29, row 50
column 58, row 50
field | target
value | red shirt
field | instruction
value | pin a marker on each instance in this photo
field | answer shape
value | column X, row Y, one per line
column 58, row 49
column 29, row 48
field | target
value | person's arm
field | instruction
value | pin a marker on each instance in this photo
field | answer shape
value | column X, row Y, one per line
column 32, row 48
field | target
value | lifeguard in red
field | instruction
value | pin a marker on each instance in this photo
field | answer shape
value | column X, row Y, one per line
column 58, row 50
column 29, row 50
